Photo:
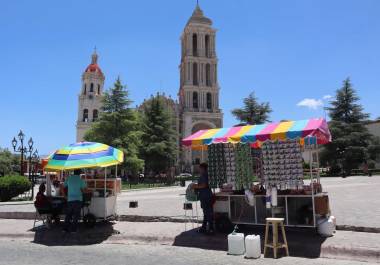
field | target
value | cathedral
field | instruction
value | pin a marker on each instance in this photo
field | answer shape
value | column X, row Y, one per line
column 197, row 106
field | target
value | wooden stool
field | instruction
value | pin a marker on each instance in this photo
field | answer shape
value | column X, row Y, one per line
column 275, row 244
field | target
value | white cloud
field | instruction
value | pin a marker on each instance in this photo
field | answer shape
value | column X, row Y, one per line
column 310, row 103
column 326, row 97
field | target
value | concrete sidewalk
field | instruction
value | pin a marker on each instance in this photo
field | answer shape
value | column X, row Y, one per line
column 302, row 243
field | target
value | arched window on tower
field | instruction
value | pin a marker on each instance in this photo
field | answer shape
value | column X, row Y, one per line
column 209, row 101
column 85, row 115
column 85, row 89
column 195, row 74
column 195, row 45
column 207, row 45
column 95, row 115
column 195, row 100
column 98, row 89
column 208, row 75
column 92, row 87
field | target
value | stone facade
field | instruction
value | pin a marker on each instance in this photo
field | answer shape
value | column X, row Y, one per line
column 90, row 97
column 199, row 87
column 374, row 128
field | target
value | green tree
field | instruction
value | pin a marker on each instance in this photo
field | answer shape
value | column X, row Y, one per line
column 159, row 147
column 6, row 162
column 253, row 112
column 118, row 126
column 352, row 143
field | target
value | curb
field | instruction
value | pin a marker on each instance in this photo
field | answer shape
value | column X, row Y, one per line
column 141, row 218
column 18, row 215
column 120, row 218
column 145, row 189
column 16, row 203
column 358, row 228
column 358, row 254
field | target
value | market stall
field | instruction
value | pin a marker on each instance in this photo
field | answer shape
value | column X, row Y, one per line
column 95, row 158
column 258, row 171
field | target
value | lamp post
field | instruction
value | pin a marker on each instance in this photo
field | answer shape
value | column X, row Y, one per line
column 22, row 149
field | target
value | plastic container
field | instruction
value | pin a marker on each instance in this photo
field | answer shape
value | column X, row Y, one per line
column 252, row 247
column 326, row 227
column 267, row 198
column 274, row 197
column 333, row 219
column 236, row 244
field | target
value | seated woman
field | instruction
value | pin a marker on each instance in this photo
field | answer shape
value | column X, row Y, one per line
column 44, row 204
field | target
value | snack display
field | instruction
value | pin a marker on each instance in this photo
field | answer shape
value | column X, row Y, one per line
column 216, row 166
column 231, row 164
column 282, row 165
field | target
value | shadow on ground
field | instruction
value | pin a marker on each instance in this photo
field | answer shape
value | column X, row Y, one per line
column 54, row 236
column 304, row 243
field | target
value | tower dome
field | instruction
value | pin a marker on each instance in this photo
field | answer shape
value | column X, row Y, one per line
column 93, row 67
column 198, row 17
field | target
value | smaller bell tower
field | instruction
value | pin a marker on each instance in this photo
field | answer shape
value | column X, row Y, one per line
column 90, row 97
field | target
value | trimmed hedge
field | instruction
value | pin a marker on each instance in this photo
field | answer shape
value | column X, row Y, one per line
column 12, row 186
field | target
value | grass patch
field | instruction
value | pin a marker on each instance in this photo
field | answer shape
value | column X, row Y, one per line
column 132, row 186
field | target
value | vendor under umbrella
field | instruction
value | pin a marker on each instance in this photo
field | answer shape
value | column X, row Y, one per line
column 205, row 196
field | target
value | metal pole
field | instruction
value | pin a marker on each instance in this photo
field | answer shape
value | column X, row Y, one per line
column 22, row 159
column 312, row 185
column 105, row 197
column 318, row 173
column 30, row 173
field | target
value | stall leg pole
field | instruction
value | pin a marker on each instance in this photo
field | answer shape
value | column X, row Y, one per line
column 105, row 196
column 196, row 212
column 48, row 185
column 318, row 173
column 116, row 172
column 312, row 185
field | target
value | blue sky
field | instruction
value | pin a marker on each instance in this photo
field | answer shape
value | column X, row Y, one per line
column 285, row 51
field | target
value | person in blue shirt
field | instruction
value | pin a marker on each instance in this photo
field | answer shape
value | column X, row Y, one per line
column 75, row 189
column 205, row 196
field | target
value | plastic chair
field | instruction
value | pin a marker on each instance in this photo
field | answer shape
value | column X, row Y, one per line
column 42, row 214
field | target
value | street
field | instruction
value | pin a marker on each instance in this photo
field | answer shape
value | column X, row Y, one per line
column 21, row 253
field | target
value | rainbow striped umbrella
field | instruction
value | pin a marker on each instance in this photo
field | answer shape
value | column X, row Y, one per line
column 84, row 155
column 312, row 130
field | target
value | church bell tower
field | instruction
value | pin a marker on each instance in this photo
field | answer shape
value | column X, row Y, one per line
column 199, row 88
column 90, row 97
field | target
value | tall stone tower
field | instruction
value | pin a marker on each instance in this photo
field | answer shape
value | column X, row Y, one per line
column 90, row 97
column 199, row 88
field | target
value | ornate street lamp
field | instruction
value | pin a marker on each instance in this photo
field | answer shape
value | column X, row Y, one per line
column 25, row 150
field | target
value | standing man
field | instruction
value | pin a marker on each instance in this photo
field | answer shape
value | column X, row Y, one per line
column 205, row 196
column 75, row 189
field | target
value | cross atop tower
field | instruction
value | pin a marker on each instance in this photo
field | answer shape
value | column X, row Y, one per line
column 94, row 57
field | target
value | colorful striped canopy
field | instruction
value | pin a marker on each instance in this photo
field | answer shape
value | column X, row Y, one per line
column 84, row 155
column 314, row 129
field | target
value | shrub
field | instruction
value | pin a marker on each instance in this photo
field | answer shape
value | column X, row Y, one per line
column 12, row 186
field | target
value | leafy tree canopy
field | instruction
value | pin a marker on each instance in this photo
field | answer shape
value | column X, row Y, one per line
column 352, row 143
column 253, row 112
column 118, row 126
column 159, row 147
column 6, row 162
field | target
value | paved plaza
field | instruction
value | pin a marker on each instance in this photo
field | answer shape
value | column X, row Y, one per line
column 354, row 201
column 135, row 254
